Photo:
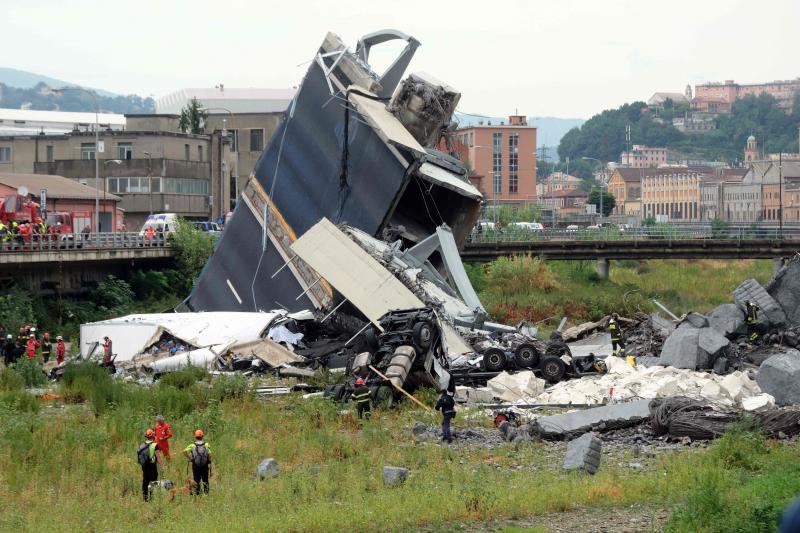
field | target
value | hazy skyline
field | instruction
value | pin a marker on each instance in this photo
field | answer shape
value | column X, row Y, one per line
column 541, row 58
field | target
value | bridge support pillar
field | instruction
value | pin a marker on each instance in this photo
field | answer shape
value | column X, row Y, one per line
column 603, row 267
column 778, row 263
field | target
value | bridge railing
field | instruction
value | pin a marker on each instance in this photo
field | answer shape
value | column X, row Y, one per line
column 659, row 232
column 79, row 241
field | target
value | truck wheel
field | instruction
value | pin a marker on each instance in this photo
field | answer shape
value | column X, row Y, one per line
column 422, row 335
column 383, row 396
column 527, row 356
column 553, row 369
column 494, row 359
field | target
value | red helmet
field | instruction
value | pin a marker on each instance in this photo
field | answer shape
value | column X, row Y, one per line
column 150, row 433
column 359, row 381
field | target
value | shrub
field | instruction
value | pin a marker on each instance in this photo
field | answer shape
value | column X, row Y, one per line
column 184, row 379
column 20, row 400
column 10, row 380
column 520, row 275
column 30, row 371
column 113, row 294
column 229, row 387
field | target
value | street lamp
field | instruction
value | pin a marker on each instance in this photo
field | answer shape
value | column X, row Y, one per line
column 222, row 184
column 96, row 148
column 601, row 181
column 149, row 179
column 105, row 188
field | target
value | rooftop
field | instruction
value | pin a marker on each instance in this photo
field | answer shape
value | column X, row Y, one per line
column 238, row 100
column 57, row 186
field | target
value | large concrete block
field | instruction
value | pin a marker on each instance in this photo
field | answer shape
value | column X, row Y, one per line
column 681, row 348
column 785, row 289
column 696, row 319
column 394, row 475
column 726, row 319
column 583, row 453
column 567, row 424
column 780, row 376
column 711, row 342
column 771, row 311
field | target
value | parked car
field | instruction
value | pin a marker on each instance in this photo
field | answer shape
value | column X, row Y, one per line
column 529, row 226
column 210, row 227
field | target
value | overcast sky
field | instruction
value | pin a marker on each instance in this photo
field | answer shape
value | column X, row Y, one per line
column 564, row 58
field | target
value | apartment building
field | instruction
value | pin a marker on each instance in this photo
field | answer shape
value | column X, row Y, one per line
column 640, row 156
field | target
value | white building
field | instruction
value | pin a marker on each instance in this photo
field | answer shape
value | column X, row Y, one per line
column 16, row 122
column 249, row 100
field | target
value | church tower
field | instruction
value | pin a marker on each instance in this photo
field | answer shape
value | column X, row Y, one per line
column 751, row 150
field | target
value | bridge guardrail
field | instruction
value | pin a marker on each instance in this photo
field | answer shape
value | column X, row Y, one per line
column 79, row 241
column 670, row 233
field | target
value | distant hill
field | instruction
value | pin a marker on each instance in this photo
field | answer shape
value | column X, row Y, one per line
column 19, row 88
column 23, row 79
column 549, row 132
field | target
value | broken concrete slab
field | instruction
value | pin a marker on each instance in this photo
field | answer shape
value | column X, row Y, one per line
column 726, row 319
column 614, row 415
column 711, row 341
column 268, row 468
column 682, row 348
column 473, row 395
column 696, row 319
column 771, row 311
column 394, row 475
column 785, row 289
column 584, row 453
column 780, row 376
column 661, row 325
column 758, row 403
column 513, row 387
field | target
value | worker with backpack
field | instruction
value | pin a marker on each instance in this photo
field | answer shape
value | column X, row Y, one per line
column 199, row 454
column 149, row 457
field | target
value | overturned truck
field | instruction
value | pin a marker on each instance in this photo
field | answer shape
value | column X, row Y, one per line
column 353, row 147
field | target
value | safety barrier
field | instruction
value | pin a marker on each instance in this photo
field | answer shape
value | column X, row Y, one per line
column 81, row 241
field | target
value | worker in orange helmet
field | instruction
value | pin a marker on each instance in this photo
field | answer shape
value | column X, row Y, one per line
column 199, row 454
column 361, row 395
column 149, row 457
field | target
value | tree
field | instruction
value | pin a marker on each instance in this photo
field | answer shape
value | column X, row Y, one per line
column 192, row 248
column 193, row 118
column 609, row 202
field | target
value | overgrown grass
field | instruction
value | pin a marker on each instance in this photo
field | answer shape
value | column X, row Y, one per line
column 73, row 467
column 514, row 290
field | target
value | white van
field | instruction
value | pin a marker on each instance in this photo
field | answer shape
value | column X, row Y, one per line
column 162, row 223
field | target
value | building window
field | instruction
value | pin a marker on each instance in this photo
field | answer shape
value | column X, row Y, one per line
column 256, row 140
column 497, row 163
column 49, row 153
column 199, row 152
column 513, row 163
column 185, row 186
column 87, row 150
column 5, row 154
column 234, row 136
column 186, row 152
column 124, row 151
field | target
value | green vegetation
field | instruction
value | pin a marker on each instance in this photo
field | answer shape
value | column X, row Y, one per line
column 507, row 214
column 193, row 118
column 39, row 98
column 71, row 466
column 609, row 202
column 603, row 135
column 522, row 288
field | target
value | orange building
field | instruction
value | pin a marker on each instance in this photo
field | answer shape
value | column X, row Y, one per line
column 504, row 155
column 726, row 93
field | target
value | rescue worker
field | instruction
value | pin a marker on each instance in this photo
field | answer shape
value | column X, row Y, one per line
column 447, row 405
column 5, row 233
column 362, row 398
column 8, row 350
column 149, row 458
column 199, row 454
column 617, row 340
column 61, row 350
column 30, row 346
column 149, row 233
column 107, row 351
column 753, row 327
column 163, row 434
column 47, row 347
